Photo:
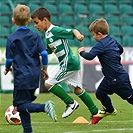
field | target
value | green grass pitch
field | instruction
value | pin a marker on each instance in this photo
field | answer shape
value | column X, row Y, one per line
column 41, row 123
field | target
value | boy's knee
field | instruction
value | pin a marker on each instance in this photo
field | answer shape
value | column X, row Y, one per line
column 99, row 95
column 77, row 90
column 20, row 108
column 47, row 86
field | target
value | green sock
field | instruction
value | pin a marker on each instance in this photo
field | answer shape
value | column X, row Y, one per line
column 60, row 92
column 85, row 97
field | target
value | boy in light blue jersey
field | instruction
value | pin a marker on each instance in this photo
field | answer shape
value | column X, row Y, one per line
column 23, row 50
column 68, row 70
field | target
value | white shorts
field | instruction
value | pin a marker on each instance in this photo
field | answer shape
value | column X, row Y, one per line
column 71, row 78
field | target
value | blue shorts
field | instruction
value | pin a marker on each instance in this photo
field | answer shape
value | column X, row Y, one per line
column 23, row 96
column 122, row 88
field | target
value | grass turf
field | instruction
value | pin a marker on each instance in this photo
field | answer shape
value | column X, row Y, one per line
column 41, row 123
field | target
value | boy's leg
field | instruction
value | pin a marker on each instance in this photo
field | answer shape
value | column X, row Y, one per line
column 60, row 92
column 68, row 100
column 22, row 99
column 74, row 83
column 54, row 79
column 31, row 107
column 102, row 95
column 28, row 108
column 105, row 100
column 57, row 76
column 47, row 107
column 97, row 114
column 26, row 122
column 124, row 90
column 87, row 100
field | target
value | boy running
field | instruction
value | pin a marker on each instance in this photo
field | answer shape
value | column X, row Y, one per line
column 116, row 79
column 22, row 53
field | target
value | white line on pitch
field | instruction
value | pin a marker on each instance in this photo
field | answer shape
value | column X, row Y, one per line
column 106, row 130
column 70, row 122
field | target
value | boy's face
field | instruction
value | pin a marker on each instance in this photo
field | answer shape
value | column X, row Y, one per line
column 97, row 36
column 40, row 25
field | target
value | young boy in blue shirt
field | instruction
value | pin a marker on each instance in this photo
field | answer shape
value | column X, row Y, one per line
column 116, row 79
column 23, row 51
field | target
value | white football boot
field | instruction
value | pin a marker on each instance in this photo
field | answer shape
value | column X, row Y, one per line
column 70, row 108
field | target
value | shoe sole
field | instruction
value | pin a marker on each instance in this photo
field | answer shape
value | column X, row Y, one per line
column 54, row 118
column 114, row 113
column 72, row 111
column 95, row 122
column 102, row 118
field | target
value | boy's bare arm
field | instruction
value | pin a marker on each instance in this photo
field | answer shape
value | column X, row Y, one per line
column 78, row 35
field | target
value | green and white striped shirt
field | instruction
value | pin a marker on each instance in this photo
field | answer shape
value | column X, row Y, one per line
column 56, row 40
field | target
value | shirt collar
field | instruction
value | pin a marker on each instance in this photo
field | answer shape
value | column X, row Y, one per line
column 51, row 26
column 22, row 27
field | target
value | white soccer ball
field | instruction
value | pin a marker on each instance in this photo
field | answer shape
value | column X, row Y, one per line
column 12, row 117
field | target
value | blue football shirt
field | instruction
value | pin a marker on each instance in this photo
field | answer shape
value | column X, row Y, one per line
column 108, row 51
column 24, row 46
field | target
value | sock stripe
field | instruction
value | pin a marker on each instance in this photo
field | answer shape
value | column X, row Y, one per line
column 81, row 93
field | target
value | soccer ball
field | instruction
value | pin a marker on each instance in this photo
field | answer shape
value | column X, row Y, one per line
column 12, row 117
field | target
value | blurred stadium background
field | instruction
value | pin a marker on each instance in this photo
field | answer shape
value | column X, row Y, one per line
column 75, row 14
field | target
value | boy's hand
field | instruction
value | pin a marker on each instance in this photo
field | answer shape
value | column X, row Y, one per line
column 44, row 70
column 7, row 70
column 81, row 49
column 80, row 37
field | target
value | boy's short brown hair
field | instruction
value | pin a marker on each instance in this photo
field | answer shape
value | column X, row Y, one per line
column 99, row 25
column 21, row 14
column 40, row 13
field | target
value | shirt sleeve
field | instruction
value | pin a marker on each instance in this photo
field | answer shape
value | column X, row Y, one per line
column 9, row 50
column 8, row 63
column 9, row 54
column 63, row 32
column 44, row 55
column 95, row 51
column 86, row 55
column 120, row 47
column 41, row 45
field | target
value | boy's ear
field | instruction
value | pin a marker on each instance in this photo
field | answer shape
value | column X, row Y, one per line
column 45, row 19
column 99, row 33
column 29, row 20
column 13, row 20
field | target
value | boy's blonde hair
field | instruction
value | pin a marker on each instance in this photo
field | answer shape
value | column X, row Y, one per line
column 21, row 14
column 99, row 25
